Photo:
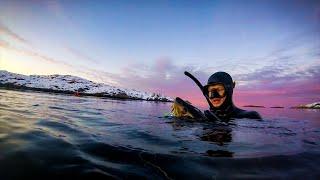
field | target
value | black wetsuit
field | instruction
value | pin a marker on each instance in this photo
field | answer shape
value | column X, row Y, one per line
column 227, row 110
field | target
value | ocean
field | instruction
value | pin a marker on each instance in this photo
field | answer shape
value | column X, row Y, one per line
column 52, row 136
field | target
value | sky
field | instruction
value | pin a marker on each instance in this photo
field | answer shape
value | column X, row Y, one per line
column 270, row 48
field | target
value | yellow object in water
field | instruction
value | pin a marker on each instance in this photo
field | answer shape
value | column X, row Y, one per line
column 177, row 110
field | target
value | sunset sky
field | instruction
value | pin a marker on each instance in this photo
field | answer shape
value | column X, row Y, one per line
column 271, row 48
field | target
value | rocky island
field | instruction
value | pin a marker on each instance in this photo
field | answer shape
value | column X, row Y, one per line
column 255, row 106
column 315, row 105
column 68, row 84
column 277, row 107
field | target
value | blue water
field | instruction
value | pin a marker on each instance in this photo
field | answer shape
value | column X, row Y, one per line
column 51, row 136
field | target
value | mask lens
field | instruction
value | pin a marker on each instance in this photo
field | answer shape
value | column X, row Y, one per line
column 217, row 93
column 221, row 92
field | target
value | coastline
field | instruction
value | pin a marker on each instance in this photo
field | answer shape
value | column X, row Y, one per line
column 101, row 95
column 72, row 85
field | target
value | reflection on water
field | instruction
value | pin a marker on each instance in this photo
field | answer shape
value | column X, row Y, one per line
column 220, row 135
column 58, row 136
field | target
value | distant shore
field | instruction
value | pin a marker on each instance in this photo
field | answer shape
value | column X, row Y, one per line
column 39, row 90
column 72, row 85
column 306, row 106
column 256, row 106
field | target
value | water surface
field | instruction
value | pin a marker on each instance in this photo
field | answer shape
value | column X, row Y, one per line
column 54, row 136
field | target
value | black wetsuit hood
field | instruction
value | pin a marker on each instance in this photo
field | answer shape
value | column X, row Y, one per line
column 226, row 109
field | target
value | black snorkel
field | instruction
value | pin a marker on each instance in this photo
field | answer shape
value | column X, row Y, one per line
column 207, row 113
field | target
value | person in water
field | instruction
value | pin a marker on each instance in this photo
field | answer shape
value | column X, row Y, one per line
column 219, row 90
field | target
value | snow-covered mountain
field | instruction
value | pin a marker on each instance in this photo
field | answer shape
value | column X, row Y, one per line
column 315, row 105
column 73, row 85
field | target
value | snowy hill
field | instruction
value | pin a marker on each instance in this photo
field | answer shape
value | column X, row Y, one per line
column 315, row 105
column 72, row 85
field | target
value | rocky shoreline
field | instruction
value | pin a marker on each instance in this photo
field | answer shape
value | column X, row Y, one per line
column 315, row 105
column 66, row 84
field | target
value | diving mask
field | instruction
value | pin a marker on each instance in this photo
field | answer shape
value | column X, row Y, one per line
column 216, row 94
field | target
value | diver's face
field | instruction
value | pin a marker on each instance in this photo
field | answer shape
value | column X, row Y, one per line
column 216, row 95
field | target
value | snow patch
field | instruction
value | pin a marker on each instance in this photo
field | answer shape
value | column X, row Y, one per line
column 74, row 84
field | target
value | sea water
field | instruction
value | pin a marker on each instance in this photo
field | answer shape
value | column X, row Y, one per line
column 52, row 136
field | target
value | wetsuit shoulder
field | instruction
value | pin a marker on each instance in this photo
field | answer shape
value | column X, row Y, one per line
column 240, row 113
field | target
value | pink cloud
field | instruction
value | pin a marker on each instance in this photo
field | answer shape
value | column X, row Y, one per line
column 4, row 30
column 288, row 93
column 267, row 88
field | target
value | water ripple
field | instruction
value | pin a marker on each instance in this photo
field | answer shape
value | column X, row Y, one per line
column 57, row 136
